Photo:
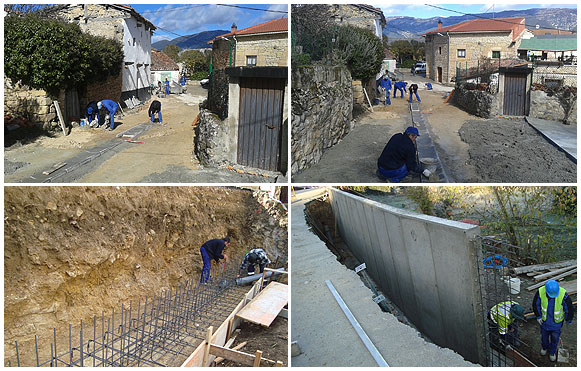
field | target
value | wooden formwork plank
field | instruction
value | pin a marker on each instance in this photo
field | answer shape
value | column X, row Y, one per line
column 241, row 357
column 265, row 307
column 562, row 275
column 552, row 273
column 538, row 267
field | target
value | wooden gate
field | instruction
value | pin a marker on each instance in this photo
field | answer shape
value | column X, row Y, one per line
column 259, row 131
column 515, row 94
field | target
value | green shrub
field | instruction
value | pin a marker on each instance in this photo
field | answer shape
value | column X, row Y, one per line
column 200, row 75
column 565, row 201
column 301, row 59
column 408, row 63
column 52, row 55
column 360, row 50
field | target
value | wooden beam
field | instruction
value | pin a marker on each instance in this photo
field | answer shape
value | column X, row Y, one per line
column 279, row 364
column 257, row 358
column 207, row 348
column 562, row 275
column 275, row 270
column 238, row 356
column 552, row 273
column 60, row 116
column 539, row 267
column 237, row 347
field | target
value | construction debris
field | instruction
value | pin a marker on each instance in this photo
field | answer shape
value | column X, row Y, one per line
column 563, row 275
column 541, row 267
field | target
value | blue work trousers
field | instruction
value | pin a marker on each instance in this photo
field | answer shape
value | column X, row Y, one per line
column 206, row 267
column 158, row 116
column 394, row 175
column 387, row 100
column 417, row 96
column 112, row 119
column 395, row 91
column 167, row 90
column 550, row 339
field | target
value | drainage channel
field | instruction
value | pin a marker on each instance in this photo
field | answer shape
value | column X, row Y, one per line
column 425, row 145
column 72, row 166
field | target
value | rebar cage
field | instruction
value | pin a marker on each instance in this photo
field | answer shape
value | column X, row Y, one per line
column 496, row 287
column 159, row 331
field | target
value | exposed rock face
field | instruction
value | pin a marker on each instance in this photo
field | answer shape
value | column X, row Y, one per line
column 322, row 105
column 211, row 143
column 71, row 252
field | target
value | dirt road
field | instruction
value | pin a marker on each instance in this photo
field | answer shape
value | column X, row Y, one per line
column 165, row 156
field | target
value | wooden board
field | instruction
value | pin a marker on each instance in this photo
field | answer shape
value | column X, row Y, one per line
column 563, row 275
column 264, row 308
column 570, row 286
column 538, row 267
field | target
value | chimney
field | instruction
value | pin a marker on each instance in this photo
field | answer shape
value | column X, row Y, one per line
column 439, row 24
column 233, row 28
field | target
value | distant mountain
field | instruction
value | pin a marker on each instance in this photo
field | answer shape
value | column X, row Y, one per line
column 196, row 41
column 412, row 28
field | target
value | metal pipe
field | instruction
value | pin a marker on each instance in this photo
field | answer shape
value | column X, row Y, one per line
column 246, row 280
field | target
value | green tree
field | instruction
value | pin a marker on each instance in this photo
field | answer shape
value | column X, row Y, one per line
column 172, row 51
column 194, row 61
column 360, row 50
column 50, row 54
column 404, row 49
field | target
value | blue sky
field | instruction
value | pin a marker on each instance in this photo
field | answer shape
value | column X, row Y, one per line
column 187, row 19
column 420, row 10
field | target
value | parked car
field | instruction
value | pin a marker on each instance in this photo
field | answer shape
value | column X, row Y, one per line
column 420, row 67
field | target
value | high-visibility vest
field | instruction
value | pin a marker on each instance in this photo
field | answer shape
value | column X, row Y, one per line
column 558, row 313
column 500, row 314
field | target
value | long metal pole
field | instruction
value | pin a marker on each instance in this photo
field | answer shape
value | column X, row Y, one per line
column 362, row 335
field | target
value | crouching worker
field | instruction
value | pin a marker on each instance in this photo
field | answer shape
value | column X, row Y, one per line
column 552, row 306
column 253, row 258
column 398, row 158
column 111, row 108
column 502, row 326
column 212, row 249
column 154, row 108
column 93, row 114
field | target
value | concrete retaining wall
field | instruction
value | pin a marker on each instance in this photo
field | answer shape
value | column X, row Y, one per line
column 426, row 265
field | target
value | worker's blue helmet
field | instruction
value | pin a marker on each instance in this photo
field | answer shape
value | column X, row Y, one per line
column 412, row 130
column 99, row 105
column 90, row 110
column 552, row 288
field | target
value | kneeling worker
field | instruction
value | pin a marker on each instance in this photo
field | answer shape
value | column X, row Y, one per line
column 502, row 328
column 552, row 306
column 154, row 108
column 399, row 157
column 254, row 257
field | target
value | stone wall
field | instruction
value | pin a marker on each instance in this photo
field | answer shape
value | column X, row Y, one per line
column 31, row 104
column 108, row 89
column 322, row 105
column 100, row 21
column 477, row 102
column 355, row 16
column 270, row 50
column 547, row 107
column 211, row 138
column 566, row 74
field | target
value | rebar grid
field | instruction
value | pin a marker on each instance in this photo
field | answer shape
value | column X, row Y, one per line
column 155, row 332
column 495, row 288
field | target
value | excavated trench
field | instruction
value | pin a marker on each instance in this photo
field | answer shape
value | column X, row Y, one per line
column 75, row 253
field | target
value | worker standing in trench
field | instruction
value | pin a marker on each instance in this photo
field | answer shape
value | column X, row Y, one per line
column 253, row 258
column 502, row 328
column 212, row 249
column 552, row 306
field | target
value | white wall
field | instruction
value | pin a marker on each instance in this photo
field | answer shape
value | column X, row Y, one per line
column 156, row 76
column 137, row 49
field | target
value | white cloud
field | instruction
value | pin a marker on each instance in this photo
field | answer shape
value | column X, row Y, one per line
column 268, row 16
column 194, row 18
column 157, row 38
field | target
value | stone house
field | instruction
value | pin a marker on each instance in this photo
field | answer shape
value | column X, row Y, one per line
column 469, row 43
column 562, row 48
column 162, row 67
column 249, row 92
column 133, row 31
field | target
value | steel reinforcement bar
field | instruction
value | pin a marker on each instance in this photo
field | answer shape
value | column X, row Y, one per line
column 158, row 331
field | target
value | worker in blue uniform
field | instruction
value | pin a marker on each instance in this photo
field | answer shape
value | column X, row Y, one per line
column 212, row 250
column 386, row 84
column 166, row 87
column 183, row 81
column 552, row 306
column 154, row 108
column 398, row 158
column 401, row 86
column 93, row 114
column 111, row 108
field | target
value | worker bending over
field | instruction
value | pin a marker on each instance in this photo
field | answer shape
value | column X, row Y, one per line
column 93, row 114
column 254, row 257
column 552, row 306
column 154, row 108
column 401, row 86
column 386, row 84
column 111, row 108
column 502, row 328
column 414, row 90
column 398, row 158
column 212, row 249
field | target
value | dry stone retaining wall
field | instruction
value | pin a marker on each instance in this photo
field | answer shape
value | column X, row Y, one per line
column 32, row 104
column 322, row 105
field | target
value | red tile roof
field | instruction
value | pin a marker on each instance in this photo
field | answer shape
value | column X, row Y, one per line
column 161, row 62
column 486, row 25
column 276, row 25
